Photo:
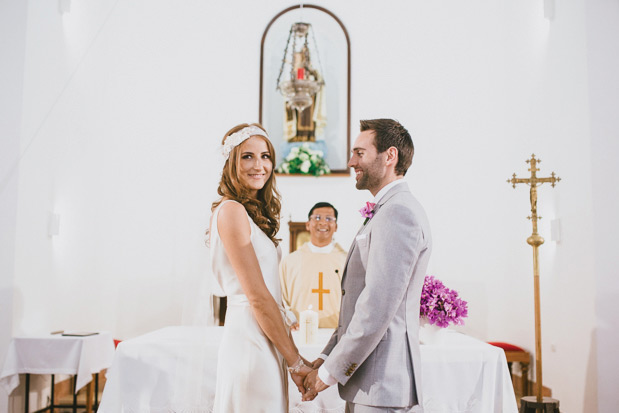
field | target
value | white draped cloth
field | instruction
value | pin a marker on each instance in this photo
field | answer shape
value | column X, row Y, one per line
column 57, row 354
column 159, row 372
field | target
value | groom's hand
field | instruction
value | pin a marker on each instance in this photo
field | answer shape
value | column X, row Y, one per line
column 313, row 385
column 316, row 363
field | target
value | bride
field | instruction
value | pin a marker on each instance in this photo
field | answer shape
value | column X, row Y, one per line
column 256, row 347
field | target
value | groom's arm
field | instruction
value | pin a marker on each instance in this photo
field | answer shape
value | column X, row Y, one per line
column 323, row 356
column 330, row 344
column 396, row 240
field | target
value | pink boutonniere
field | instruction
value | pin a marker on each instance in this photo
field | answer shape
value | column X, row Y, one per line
column 367, row 211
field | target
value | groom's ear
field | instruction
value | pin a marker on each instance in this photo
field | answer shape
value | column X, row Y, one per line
column 392, row 156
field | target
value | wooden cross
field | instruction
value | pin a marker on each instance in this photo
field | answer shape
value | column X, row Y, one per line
column 535, row 240
column 320, row 291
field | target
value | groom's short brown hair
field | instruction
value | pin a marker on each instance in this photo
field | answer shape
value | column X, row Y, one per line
column 388, row 133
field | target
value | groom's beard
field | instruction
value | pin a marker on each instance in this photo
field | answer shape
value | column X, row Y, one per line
column 371, row 176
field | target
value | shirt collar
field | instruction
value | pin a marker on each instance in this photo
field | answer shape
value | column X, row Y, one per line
column 386, row 189
column 321, row 250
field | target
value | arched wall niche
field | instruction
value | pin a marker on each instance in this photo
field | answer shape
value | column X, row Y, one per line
column 333, row 45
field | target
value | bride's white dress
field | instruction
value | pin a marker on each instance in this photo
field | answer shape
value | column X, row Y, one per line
column 251, row 373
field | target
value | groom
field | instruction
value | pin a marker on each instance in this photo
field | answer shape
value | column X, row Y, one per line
column 374, row 352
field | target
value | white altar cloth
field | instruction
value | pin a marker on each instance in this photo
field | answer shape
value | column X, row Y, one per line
column 174, row 368
column 57, row 354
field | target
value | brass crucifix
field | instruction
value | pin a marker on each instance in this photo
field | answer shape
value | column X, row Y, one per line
column 535, row 240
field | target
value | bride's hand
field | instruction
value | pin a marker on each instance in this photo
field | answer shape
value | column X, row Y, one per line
column 299, row 378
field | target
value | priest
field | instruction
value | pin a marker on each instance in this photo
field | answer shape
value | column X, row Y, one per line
column 312, row 275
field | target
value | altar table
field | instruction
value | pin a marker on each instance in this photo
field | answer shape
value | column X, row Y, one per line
column 174, row 369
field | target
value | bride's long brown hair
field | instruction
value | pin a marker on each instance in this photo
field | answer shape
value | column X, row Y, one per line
column 265, row 208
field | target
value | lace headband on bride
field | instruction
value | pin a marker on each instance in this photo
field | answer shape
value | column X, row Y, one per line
column 237, row 137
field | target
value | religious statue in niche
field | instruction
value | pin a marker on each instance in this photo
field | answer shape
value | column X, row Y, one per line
column 328, row 53
column 303, row 88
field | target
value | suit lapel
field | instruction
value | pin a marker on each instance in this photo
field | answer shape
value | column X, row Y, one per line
column 402, row 187
column 350, row 250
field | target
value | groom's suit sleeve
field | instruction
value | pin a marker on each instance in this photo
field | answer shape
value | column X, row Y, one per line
column 395, row 242
column 330, row 344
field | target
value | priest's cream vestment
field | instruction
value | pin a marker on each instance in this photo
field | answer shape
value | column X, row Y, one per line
column 314, row 278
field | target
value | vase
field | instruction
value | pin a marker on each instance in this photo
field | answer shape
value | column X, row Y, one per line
column 429, row 334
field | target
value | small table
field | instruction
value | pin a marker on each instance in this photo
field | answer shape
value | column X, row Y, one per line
column 174, row 369
column 80, row 356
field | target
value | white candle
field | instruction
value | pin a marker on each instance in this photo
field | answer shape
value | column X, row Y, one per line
column 308, row 326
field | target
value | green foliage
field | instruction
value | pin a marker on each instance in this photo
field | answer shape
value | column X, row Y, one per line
column 304, row 160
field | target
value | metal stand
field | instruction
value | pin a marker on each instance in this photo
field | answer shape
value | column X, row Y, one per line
column 52, row 405
column 27, row 393
column 529, row 404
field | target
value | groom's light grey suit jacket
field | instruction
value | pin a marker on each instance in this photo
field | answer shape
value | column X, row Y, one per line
column 374, row 352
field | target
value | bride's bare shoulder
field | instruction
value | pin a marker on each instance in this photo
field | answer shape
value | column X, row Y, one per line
column 232, row 216
column 231, row 206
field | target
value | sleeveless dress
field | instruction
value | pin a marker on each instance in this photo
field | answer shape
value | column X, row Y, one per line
column 251, row 373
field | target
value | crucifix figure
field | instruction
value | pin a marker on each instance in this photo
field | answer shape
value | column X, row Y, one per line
column 535, row 240
column 534, row 182
column 320, row 291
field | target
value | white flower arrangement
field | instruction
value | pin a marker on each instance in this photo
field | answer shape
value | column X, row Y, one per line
column 304, row 160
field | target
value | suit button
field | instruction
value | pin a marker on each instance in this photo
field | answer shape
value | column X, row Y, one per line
column 343, row 291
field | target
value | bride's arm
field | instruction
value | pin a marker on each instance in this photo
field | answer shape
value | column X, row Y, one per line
column 235, row 232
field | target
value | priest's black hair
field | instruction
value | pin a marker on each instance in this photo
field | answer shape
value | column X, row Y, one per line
column 322, row 205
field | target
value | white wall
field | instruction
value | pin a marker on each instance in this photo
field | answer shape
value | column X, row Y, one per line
column 124, row 104
column 12, row 45
column 603, row 65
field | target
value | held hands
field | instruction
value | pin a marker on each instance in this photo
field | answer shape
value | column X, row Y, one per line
column 305, row 375
column 298, row 377
column 313, row 385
